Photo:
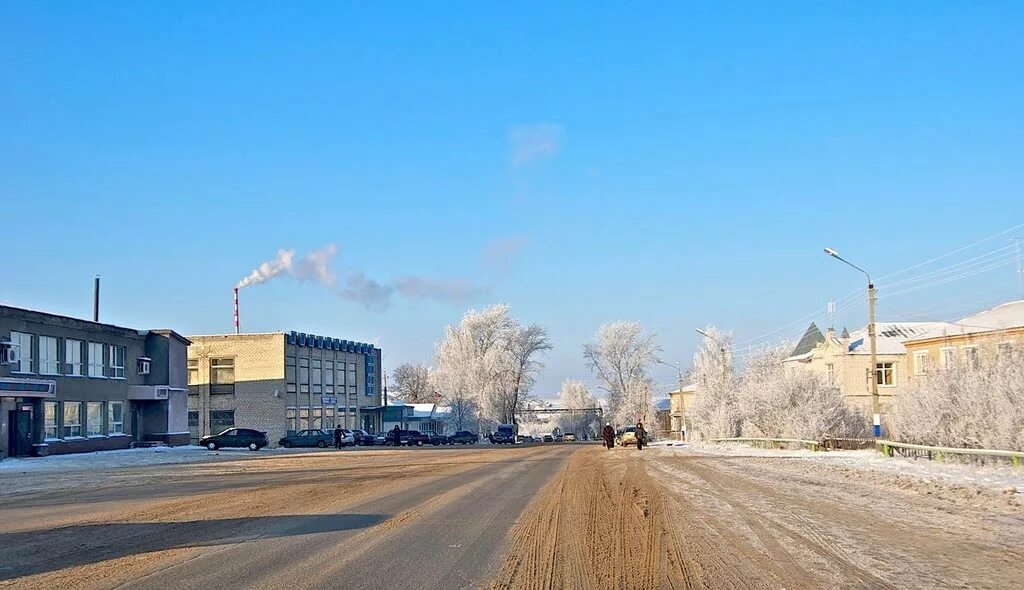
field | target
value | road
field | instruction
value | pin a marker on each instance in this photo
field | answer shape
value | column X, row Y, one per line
column 545, row 516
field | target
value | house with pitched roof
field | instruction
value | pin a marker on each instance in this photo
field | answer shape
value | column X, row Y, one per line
column 961, row 341
column 844, row 361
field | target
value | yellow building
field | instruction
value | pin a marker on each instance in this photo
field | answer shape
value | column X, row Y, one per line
column 845, row 361
column 961, row 341
column 680, row 404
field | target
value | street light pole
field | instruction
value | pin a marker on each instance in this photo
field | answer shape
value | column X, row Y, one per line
column 721, row 350
column 873, row 374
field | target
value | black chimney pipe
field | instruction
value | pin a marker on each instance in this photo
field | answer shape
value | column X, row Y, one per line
column 96, row 299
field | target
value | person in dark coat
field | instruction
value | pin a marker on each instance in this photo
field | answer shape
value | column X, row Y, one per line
column 337, row 437
column 609, row 435
column 641, row 436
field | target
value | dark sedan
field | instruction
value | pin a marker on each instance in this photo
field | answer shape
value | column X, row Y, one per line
column 463, row 437
column 242, row 438
column 308, row 438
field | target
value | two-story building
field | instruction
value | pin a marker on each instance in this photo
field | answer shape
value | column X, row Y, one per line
column 280, row 383
column 72, row 385
column 680, row 409
column 962, row 341
column 844, row 361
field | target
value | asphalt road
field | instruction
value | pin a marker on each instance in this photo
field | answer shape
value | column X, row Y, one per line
column 414, row 518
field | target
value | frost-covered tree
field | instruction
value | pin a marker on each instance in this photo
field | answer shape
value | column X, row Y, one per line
column 574, row 395
column 619, row 356
column 716, row 410
column 975, row 403
column 491, row 360
column 776, row 403
column 412, row 383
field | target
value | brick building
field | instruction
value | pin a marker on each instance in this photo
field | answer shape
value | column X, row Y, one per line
column 71, row 385
column 281, row 382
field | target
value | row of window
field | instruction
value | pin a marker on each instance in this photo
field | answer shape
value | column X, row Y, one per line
column 77, row 419
column 315, row 417
column 220, row 420
column 885, row 374
column 76, row 358
column 304, row 375
column 948, row 356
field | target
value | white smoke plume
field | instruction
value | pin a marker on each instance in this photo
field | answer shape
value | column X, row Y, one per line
column 315, row 266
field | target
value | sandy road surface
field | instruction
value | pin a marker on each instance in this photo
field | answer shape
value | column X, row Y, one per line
column 378, row 519
column 661, row 519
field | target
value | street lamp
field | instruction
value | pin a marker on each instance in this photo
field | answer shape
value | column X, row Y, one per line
column 876, row 410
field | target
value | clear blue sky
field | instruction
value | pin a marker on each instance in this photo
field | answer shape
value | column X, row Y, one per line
column 679, row 165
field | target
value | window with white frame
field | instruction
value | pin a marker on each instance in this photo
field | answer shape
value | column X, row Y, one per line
column 72, row 419
column 115, row 417
column 49, row 364
column 94, row 418
column 23, row 344
column 95, row 359
column 73, row 357
column 50, row 420
column 947, row 357
column 971, row 356
column 116, row 361
column 921, row 362
column 222, row 376
column 885, row 373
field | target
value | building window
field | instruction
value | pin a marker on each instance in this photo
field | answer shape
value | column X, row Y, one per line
column 885, row 373
column 48, row 362
column 222, row 378
column 328, row 418
column 193, row 371
column 341, row 377
column 947, row 356
column 50, row 419
column 221, row 420
column 971, row 356
column 329, row 377
column 303, row 375
column 115, row 417
column 317, row 376
column 830, row 370
column 290, row 417
column 94, row 418
column 1005, row 348
column 73, row 357
column 193, row 420
column 921, row 362
column 95, row 359
column 289, row 370
column 72, row 419
column 116, row 361
column 23, row 343
column 303, row 418
column 318, row 418
column 351, row 373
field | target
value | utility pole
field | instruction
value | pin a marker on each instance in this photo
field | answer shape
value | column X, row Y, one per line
column 876, row 407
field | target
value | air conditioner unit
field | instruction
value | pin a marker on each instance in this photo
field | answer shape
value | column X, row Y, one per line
column 8, row 353
column 144, row 365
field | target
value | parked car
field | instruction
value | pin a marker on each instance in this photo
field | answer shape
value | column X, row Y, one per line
column 378, row 440
column 244, row 438
column 569, row 437
column 559, row 438
column 463, row 437
column 360, row 435
column 435, row 438
column 548, row 438
column 308, row 438
column 627, row 436
column 506, row 434
column 407, row 438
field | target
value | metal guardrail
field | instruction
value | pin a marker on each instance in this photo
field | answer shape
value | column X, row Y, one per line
column 812, row 444
column 888, row 446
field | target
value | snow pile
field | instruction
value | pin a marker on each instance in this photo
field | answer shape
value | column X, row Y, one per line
column 104, row 460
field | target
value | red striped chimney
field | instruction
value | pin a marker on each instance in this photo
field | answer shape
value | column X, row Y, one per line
column 236, row 310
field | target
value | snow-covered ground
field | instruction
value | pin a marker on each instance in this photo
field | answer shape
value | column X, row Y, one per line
column 104, row 460
column 1000, row 477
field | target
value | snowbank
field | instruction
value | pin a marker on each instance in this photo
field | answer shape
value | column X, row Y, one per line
column 127, row 458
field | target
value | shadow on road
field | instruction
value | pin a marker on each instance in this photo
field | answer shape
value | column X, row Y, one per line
column 35, row 552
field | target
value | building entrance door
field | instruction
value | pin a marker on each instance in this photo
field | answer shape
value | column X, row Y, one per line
column 19, row 427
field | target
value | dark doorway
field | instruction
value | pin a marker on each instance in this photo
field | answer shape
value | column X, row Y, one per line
column 19, row 427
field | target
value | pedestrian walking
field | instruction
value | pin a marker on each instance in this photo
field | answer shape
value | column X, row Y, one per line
column 609, row 435
column 641, row 436
column 337, row 437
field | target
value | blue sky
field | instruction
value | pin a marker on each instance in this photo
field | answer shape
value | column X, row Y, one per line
column 680, row 164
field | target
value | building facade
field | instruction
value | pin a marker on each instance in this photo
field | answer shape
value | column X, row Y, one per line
column 844, row 361
column 680, row 409
column 964, row 340
column 280, row 383
column 69, row 385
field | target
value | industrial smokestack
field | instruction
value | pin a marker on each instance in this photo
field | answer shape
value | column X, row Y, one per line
column 96, row 299
column 236, row 310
